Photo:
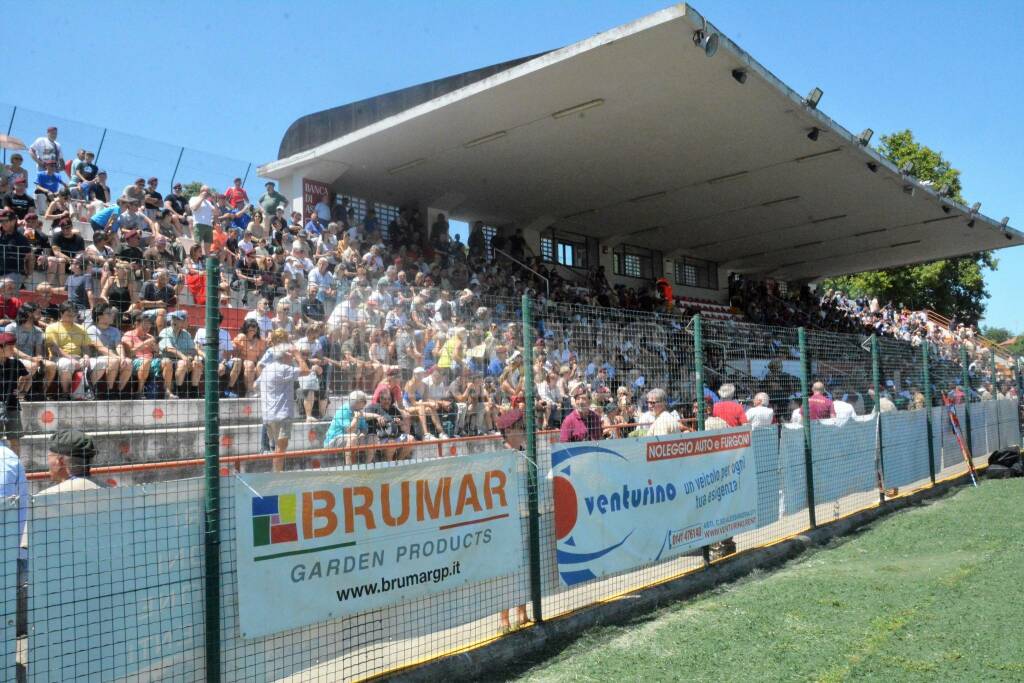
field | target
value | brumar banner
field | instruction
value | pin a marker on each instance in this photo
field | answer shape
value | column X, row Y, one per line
column 317, row 545
column 623, row 503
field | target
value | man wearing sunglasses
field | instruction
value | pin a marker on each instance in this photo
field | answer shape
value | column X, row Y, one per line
column 664, row 422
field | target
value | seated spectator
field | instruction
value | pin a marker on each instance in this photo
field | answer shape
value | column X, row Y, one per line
column 69, row 456
column 820, row 405
column 390, row 425
column 728, row 409
column 227, row 364
column 581, row 424
column 30, row 348
column 70, row 347
column 177, row 345
column 143, row 349
column 249, row 349
column 14, row 249
column 159, row 295
column 664, row 421
column 115, row 367
column 760, row 414
column 19, row 200
column 9, row 302
column 47, row 183
column 80, row 287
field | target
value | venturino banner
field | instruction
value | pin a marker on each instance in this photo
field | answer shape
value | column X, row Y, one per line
column 322, row 544
column 626, row 502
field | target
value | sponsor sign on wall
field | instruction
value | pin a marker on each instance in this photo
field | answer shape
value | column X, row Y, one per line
column 317, row 545
column 626, row 502
column 312, row 192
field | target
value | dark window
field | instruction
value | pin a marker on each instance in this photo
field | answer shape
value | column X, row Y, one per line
column 693, row 272
column 489, row 234
column 564, row 249
column 633, row 261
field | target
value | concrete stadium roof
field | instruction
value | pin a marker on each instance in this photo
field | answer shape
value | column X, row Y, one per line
column 636, row 135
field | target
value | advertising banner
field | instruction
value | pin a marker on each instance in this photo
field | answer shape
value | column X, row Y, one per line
column 317, row 545
column 623, row 503
column 312, row 192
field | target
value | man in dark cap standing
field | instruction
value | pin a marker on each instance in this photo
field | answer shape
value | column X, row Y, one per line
column 69, row 457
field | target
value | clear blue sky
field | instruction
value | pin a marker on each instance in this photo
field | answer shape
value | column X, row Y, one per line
column 229, row 77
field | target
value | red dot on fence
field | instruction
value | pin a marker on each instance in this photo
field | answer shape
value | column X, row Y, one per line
column 247, row 411
column 124, row 447
column 158, row 413
column 224, row 472
column 226, row 441
column 313, row 436
column 111, row 482
column 452, row 450
column 47, row 417
column 315, row 464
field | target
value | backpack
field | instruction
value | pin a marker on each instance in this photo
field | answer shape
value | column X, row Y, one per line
column 1005, row 463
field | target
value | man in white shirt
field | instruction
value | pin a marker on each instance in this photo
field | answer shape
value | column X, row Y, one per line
column 277, row 397
column 761, row 413
column 203, row 211
column 664, row 422
column 47, row 149
column 844, row 409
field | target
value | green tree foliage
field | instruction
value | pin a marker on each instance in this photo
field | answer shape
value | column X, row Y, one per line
column 996, row 334
column 952, row 287
column 190, row 190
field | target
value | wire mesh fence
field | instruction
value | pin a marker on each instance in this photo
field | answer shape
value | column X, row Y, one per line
column 114, row 576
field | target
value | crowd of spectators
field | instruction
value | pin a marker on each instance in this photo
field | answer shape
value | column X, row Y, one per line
column 764, row 302
column 416, row 331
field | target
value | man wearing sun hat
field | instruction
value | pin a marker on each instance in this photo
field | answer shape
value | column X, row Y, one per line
column 69, row 456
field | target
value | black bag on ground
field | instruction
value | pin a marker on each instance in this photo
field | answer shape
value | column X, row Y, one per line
column 1005, row 463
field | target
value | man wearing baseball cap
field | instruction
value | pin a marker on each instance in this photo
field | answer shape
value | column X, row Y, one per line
column 68, row 458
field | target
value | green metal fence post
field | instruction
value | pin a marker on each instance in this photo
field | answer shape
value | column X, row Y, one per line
column 805, row 414
column 531, row 463
column 965, row 379
column 212, row 471
column 926, row 379
column 876, row 377
column 1020, row 391
column 698, row 370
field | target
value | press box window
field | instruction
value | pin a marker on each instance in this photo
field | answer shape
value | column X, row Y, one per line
column 692, row 272
column 633, row 262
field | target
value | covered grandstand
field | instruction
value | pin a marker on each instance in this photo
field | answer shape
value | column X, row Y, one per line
column 639, row 147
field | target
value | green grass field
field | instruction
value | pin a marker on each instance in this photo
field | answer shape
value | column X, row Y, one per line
column 930, row 593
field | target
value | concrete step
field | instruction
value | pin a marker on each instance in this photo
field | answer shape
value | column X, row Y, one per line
column 139, row 446
column 90, row 416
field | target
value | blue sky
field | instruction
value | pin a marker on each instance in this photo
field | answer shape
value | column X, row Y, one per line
column 229, row 77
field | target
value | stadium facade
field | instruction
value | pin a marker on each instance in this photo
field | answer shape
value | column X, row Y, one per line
column 643, row 149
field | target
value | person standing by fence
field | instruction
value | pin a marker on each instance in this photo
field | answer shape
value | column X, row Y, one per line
column 277, row 397
column 664, row 422
column 582, row 424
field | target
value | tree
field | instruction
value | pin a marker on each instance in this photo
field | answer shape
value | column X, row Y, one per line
column 952, row 287
column 190, row 190
column 996, row 334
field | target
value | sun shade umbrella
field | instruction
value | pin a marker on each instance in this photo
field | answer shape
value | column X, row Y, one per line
column 11, row 142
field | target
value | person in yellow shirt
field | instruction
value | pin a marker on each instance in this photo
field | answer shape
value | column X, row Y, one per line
column 69, row 345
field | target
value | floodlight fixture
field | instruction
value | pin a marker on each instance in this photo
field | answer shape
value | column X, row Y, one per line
column 865, row 137
column 812, row 99
column 577, row 109
column 706, row 40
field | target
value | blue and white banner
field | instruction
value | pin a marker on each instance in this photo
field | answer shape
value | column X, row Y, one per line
column 623, row 503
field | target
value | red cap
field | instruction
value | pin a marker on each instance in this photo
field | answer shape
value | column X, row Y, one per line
column 7, row 338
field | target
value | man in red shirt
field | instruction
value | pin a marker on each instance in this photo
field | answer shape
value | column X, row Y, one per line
column 392, row 384
column 728, row 409
column 582, row 424
column 9, row 304
column 820, row 405
column 236, row 195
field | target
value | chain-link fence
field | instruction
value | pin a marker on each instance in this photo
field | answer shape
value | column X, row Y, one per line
column 141, row 577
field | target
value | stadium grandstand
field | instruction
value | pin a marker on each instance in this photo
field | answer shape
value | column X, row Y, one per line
column 574, row 173
column 626, row 183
